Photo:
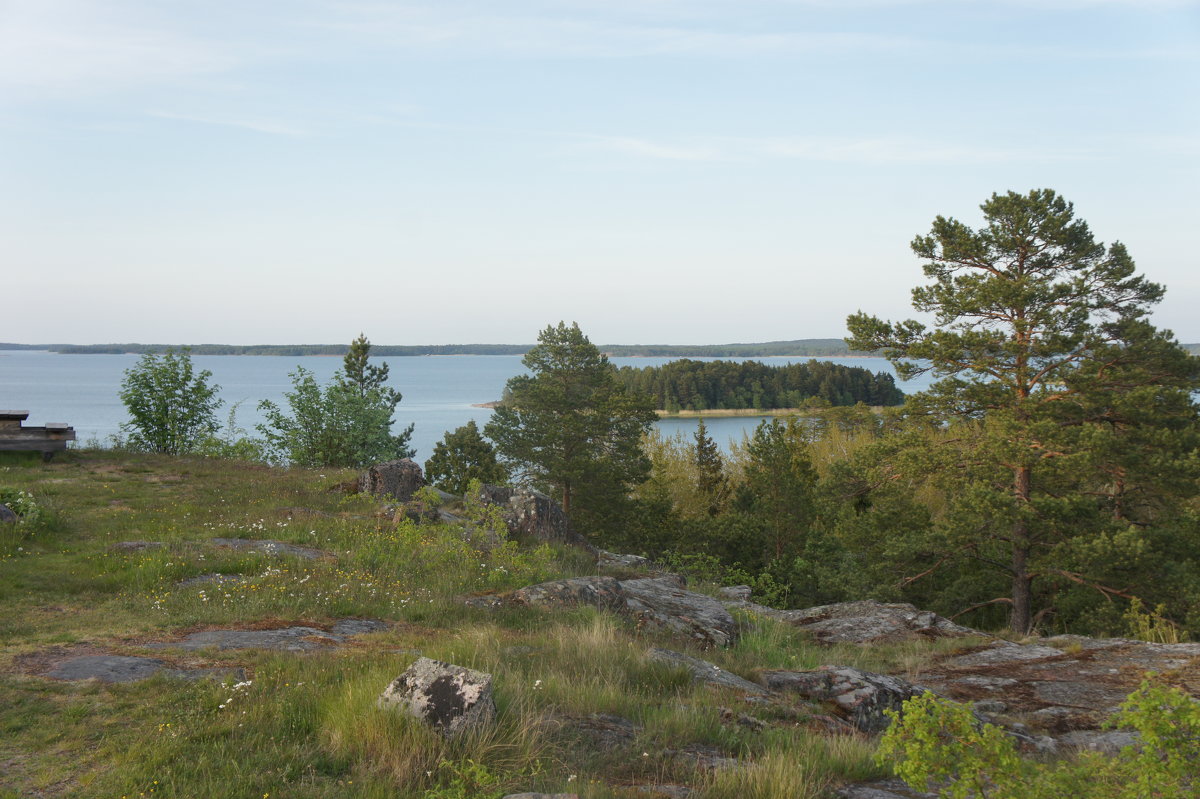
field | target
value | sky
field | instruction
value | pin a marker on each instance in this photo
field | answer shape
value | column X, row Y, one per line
column 660, row 171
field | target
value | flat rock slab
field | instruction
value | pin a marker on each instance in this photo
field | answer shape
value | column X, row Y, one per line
column 866, row 621
column 670, row 791
column 286, row 639
column 121, row 668
column 705, row 672
column 136, row 546
column 881, row 789
column 1064, row 684
column 269, row 547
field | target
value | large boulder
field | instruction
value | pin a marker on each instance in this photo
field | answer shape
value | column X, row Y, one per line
column 602, row 592
column 449, row 698
column 397, row 480
column 860, row 695
column 534, row 515
column 7, row 515
column 663, row 603
column 660, row 603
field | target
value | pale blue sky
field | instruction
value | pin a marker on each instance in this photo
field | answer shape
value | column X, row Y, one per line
column 695, row 171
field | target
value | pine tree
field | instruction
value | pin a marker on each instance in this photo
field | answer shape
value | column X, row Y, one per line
column 1044, row 355
column 569, row 426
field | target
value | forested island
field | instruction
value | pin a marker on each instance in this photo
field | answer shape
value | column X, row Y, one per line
column 712, row 385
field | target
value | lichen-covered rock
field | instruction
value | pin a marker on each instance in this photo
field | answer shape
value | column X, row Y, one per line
column 449, row 698
column 861, row 695
column 269, row 547
column 533, row 514
column 662, row 602
column 870, row 621
column 397, row 479
column 705, row 672
column 602, row 592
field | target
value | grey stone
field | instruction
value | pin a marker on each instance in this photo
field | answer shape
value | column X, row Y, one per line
column 398, row 479
column 870, row 621
column 991, row 706
column 449, row 698
column 1108, row 742
column 703, row 671
column 269, row 547
column 7, row 516
column 494, row 495
column 1003, row 653
column 533, row 514
column 122, row 668
column 107, row 668
column 542, row 796
column 881, row 789
column 344, row 628
column 861, row 695
column 287, row 639
column 654, row 602
column 660, row 602
column 1084, row 695
column 136, row 546
column 603, row 592
column 736, row 592
column 670, row 791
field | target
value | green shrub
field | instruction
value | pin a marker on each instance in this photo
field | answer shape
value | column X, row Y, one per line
column 935, row 742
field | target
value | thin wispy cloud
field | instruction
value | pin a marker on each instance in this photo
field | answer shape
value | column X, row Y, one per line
column 848, row 150
column 56, row 45
column 256, row 125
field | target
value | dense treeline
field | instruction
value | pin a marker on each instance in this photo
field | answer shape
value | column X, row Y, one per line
column 708, row 385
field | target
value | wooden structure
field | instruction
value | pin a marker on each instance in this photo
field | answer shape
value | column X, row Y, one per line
column 47, row 440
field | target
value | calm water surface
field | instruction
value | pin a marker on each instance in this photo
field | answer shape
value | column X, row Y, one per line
column 82, row 390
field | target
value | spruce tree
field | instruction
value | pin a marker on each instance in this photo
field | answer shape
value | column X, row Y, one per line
column 710, row 469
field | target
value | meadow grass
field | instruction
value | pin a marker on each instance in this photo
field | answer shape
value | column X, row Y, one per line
column 306, row 725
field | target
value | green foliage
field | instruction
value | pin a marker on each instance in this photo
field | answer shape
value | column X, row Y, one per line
column 466, row 780
column 571, row 429
column 172, row 407
column 1152, row 626
column 461, row 456
column 345, row 423
column 710, row 470
column 1074, row 415
column 934, row 743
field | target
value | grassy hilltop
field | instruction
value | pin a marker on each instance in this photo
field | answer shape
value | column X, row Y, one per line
column 306, row 725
